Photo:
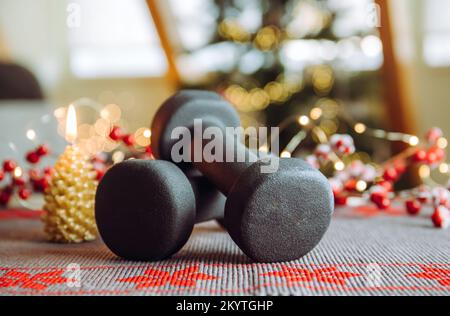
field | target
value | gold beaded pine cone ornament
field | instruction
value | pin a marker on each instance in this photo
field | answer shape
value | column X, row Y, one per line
column 70, row 199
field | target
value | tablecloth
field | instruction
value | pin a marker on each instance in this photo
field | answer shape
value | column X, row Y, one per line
column 364, row 252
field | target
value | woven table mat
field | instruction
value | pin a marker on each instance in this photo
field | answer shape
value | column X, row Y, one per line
column 365, row 252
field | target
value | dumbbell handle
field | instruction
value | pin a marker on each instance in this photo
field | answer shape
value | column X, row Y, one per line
column 210, row 203
column 223, row 174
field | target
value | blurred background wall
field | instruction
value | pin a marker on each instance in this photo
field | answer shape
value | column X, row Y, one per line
column 35, row 34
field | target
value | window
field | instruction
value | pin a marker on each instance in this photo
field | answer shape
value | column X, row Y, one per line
column 114, row 38
column 436, row 44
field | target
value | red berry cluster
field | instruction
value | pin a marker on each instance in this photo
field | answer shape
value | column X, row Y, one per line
column 25, row 182
column 345, row 182
column 437, row 198
column 37, row 181
column 430, row 154
column 118, row 135
column 382, row 181
column 34, row 157
column 340, row 145
column 383, row 190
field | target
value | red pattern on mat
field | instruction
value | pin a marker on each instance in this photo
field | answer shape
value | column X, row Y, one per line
column 157, row 278
column 38, row 281
column 430, row 273
column 329, row 275
column 335, row 278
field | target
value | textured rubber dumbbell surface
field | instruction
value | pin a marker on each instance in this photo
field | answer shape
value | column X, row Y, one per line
column 365, row 252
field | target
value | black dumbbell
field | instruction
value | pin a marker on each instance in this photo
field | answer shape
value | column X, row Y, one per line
column 146, row 209
column 272, row 217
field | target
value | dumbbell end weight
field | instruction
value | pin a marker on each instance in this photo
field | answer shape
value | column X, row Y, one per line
column 145, row 210
column 282, row 216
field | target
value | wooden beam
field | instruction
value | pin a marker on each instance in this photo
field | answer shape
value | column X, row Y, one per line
column 172, row 72
column 5, row 54
column 398, row 104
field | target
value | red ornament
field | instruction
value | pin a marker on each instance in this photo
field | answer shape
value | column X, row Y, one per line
column 377, row 196
column 116, row 133
column 5, row 197
column 384, row 203
column 100, row 174
column 413, row 207
column 390, row 174
column 24, row 193
column 340, row 200
column 42, row 150
column 33, row 157
column 9, row 165
column 2, row 175
column 420, row 155
column 40, row 185
column 350, row 185
column 148, row 150
column 441, row 217
column 19, row 182
column 128, row 140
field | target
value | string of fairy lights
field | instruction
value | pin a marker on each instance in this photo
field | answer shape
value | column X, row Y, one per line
column 310, row 125
column 98, row 137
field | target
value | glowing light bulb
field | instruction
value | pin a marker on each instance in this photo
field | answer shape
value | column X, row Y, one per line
column 339, row 165
column 371, row 46
column 147, row 133
column 18, row 172
column 286, row 154
column 413, row 141
column 360, row 128
column 31, row 134
column 361, row 186
column 303, row 120
column 442, row 143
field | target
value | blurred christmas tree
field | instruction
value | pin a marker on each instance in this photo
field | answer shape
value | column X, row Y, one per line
column 282, row 58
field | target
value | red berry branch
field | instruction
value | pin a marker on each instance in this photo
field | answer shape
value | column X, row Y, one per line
column 24, row 183
column 377, row 183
